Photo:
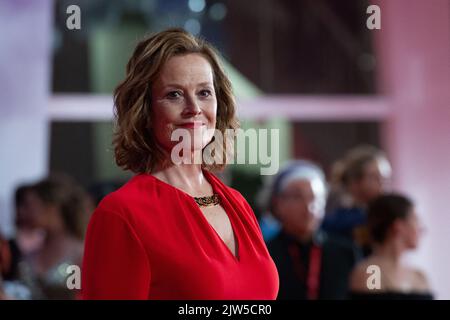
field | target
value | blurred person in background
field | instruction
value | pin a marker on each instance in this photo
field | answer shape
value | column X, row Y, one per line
column 358, row 178
column 5, row 265
column 59, row 207
column 28, row 236
column 174, row 230
column 311, row 263
column 11, row 286
column 270, row 226
column 394, row 229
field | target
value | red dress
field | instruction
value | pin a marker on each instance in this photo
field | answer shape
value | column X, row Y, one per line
column 150, row 240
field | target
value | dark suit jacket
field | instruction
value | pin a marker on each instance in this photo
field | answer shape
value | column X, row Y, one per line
column 338, row 258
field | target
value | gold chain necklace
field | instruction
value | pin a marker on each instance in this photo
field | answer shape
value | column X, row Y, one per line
column 207, row 201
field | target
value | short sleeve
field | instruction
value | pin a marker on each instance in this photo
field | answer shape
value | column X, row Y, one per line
column 115, row 264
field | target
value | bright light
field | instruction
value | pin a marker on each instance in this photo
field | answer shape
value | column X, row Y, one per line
column 193, row 26
column 218, row 11
column 196, row 5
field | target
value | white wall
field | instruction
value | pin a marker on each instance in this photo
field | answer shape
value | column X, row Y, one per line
column 414, row 71
column 25, row 35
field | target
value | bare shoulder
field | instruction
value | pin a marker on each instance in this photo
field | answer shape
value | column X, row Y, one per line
column 75, row 247
column 420, row 280
column 360, row 274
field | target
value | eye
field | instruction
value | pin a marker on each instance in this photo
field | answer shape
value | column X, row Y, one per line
column 205, row 93
column 174, row 94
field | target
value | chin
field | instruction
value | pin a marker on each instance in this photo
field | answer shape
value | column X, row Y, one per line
column 413, row 246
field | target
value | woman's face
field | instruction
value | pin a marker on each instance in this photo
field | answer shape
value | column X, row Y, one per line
column 183, row 97
column 373, row 181
column 43, row 215
column 25, row 217
column 411, row 230
column 36, row 210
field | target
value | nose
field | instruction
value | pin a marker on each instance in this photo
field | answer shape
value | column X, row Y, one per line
column 422, row 229
column 192, row 107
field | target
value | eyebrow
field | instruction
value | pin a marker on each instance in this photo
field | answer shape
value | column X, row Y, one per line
column 176, row 85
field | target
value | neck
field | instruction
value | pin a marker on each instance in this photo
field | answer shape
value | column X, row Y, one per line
column 359, row 201
column 188, row 177
column 390, row 251
column 303, row 236
column 54, row 237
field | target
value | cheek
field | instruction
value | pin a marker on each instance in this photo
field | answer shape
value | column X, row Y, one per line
column 39, row 218
column 162, row 134
column 371, row 187
column 162, row 126
column 415, row 233
column 295, row 214
column 163, row 116
column 283, row 211
column 207, row 135
column 370, row 184
column 411, row 234
column 211, row 114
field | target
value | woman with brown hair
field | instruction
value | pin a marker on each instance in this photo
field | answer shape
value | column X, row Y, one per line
column 174, row 231
column 58, row 207
column 394, row 228
column 359, row 177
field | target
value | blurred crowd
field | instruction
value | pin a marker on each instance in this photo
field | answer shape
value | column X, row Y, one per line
column 327, row 236
column 51, row 217
column 344, row 237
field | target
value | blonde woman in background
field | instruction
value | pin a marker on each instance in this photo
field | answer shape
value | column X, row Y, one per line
column 358, row 178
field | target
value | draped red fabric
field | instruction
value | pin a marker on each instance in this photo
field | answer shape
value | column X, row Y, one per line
column 150, row 240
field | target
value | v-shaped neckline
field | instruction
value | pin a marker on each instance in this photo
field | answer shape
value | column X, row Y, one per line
column 236, row 257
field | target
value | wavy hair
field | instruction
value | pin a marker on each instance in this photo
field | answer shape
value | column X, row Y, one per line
column 135, row 146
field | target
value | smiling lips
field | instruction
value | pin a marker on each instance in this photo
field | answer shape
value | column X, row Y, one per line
column 191, row 125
